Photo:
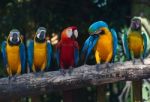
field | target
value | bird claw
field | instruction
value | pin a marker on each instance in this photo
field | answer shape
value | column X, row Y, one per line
column 98, row 67
column 62, row 72
column 70, row 70
column 142, row 60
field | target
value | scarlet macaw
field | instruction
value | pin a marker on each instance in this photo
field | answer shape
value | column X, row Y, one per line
column 67, row 49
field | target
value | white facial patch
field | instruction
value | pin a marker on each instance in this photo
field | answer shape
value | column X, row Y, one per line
column 11, row 39
column 76, row 33
column 38, row 35
column 69, row 32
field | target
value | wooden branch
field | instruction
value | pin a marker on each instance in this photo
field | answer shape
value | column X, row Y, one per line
column 83, row 76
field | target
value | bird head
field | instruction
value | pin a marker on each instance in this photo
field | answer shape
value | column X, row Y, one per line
column 14, row 36
column 98, row 28
column 69, row 33
column 41, row 34
column 135, row 23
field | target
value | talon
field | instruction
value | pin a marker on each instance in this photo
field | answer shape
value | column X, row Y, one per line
column 70, row 70
column 97, row 67
column 62, row 71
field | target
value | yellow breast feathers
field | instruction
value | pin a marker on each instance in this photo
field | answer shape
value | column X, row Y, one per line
column 104, row 47
column 13, row 58
column 40, row 53
column 135, row 43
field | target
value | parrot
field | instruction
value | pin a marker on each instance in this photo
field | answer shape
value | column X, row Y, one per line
column 14, row 54
column 39, row 52
column 67, row 50
column 103, row 42
column 67, row 56
column 135, row 44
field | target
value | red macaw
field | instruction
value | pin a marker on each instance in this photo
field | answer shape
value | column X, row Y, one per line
column 67, row 50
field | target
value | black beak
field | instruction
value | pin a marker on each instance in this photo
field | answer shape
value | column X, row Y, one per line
column 73, row 36
column 14, row 39
column 42, row 35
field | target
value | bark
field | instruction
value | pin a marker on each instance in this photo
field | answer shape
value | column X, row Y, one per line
column 83, row 76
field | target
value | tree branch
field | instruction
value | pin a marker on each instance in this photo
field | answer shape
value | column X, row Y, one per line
column 83, row 76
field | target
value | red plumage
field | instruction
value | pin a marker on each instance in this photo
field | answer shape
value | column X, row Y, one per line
column 67, row 47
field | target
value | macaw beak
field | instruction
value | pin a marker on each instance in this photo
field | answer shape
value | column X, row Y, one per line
column 15, row 38
column 73, row 36
column 42, row 35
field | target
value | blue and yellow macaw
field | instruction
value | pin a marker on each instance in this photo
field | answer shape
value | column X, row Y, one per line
column 13, row 52
column 135, row 42
column 102, row 41
column 39, row 51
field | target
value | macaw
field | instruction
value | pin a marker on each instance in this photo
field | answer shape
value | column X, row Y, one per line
column 39, row 52
column 135, row 46
column 135, row 42
column 67, row 50
column 13, row 53
column 103, row 41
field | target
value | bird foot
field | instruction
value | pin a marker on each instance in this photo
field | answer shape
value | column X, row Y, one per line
column 142, row 60
column 70, row 70
column 98, row 67
column 62, row 72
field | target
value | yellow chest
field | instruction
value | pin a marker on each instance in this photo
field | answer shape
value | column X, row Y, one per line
column 13, row 56
column 135, row 43
column 40, row 53
column 104, row 46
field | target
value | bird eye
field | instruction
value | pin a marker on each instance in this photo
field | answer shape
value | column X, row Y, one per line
column 76, row 33
column 101, row 32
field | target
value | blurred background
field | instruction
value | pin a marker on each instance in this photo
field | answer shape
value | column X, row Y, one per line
column 55, row 15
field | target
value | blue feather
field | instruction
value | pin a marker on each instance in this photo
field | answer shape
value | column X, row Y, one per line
column 145, row 44
column 4, row 54
column 76, row 56
column 22, row 56
column 49, row 55
column 125, row 46
column 58, row 56
column 115, row 42
column 89, row 45
column 30, row 53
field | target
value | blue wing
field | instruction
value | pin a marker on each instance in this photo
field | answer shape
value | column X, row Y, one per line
column 49, row 55
column 89, row 45
column 30, row 53
column 4, row 54
column 145, row 44
column 58, row 55
column 22, row 56
column 125, row 45
column 76, row 56
column 115, row 42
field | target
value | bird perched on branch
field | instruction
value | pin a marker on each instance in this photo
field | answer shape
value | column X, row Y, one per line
column 13, row 52
column 135, row 41
column 67, row 50
column 135, row 46
column 104, row 43
column 39, row 51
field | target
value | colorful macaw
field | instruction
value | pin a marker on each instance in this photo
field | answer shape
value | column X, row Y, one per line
column 13, row 52
column 67, row 50
column 135, row 42
column 39, row 52
column 135, row 46
column 102, row 41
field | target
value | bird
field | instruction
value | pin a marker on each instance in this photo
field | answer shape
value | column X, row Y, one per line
column 67, row 50
column 135, row 44
column 67, row 56
column 135, row 41
column 14, row 54
column 103, row 42
column 39, row 52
